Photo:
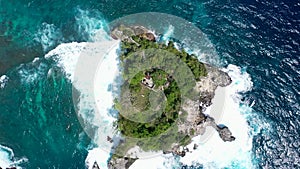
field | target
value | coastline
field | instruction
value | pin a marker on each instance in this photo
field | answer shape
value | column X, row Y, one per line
column 196, row 120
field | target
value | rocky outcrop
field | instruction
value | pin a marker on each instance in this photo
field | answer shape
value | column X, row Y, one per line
column 208, row 84
column 225, row 133
column 121, row 163
column 196, row 121
column 95, row 166
column 124, row 33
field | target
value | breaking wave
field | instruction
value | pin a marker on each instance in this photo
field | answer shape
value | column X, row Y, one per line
column 48, row 36
column 211, row 154
column 3, row 81
column 214, row 153
column 91, row 25
column 95, row 103
column 7, row 158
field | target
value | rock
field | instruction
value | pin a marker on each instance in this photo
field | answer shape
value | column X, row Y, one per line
column 208, row 84
column 109, row 139
column 125, row 33
column 121, row 163
column 225, row 133
column 95, row 166
column 148, row 36
column 195, row 146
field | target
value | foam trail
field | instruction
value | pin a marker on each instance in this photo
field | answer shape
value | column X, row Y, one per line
column 168, row 34
column 91, row 25
column 214, row 153
column 7, row 158
column 80, row 62
column 30, row 72
column 95, row 98
column 3, row 80
column 48, row 35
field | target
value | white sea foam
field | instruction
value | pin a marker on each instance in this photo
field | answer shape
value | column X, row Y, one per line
column 66, row 56
column 168, row 34
column 48, row 35
column 159, row 162
column 3, row 81
column 7, row 158
column 214, row 153
column 92, row 77
column 91, row 25
column 80, row 62
column 92, row 68
column 97, row 155
column 30, row 72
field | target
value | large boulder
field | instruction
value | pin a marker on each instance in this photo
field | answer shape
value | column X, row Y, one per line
column 225, row 133
column 121, row 163
column 124, row 33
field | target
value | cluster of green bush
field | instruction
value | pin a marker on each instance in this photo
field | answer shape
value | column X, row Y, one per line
column 172, row 91
column 191, row 60
column 165, row 120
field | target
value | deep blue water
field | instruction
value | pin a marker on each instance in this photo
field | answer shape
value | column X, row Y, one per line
column 261, row 36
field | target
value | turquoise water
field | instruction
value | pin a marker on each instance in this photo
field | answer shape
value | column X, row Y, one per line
column 38, row 121
column 37, row 117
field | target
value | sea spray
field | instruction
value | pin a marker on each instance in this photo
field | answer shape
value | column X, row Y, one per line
column 168, row 34
column 7, row 158
column 96, row 99
column 214, row 152
column 91, row 26
column 3, row 81
column 48, row 36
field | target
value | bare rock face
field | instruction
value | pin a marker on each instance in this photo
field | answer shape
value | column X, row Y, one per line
column 225, row 133
column 124, row 33
column 208, row 84
column 121, row 163
column 95, row 166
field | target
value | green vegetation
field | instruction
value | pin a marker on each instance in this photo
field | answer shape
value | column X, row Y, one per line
column 139, row 98
column 163, row 82
column 162, row 142
column 192, row 62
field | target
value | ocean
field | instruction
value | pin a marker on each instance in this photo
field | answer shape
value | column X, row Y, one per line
column 255, row 42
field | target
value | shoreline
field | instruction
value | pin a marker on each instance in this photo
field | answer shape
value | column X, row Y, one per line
column 198, row 122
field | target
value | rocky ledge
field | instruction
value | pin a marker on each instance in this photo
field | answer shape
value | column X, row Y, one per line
column 196, row 121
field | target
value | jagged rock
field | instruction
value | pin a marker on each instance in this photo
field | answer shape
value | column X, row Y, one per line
column 195, row 146
column 121, row 163
column 125, row 33
column 95, row 166
column 225, row 133
column 208, row 84
column 109, row 139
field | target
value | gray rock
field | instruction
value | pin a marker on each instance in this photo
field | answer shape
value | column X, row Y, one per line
column 225, row 134
column 121, row 163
